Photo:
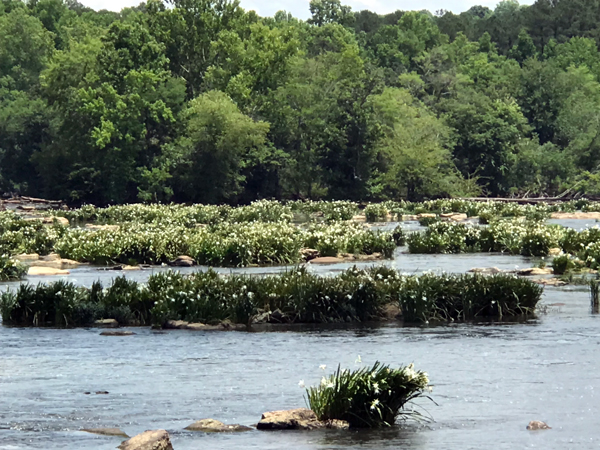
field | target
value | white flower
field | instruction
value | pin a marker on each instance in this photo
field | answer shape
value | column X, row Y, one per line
column 323, row 381
column 322, row 367
column 376, row 388
column 358, row 360
column 374, row 403
column 301, row 384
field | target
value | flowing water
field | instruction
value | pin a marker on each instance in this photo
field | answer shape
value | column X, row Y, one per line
column 490, row 379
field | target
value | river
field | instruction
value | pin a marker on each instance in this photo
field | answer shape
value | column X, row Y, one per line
column 490, row 379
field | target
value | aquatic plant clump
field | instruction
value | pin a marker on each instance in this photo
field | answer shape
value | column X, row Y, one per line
column 26, row 236
column 529, row 238
column 369, row 397
column 10, row 269
column 226, row 244
column 466, row 297
column 298, row 297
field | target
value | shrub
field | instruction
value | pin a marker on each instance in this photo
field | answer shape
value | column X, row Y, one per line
column 367, row 397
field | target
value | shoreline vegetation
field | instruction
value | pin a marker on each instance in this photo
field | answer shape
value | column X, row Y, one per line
column 272, row 232
column 206, row 298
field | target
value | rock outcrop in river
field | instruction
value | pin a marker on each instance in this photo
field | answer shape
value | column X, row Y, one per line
column 215, row 426
column 297, row 419
column 148, row 440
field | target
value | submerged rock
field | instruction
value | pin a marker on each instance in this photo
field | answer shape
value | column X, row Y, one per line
column 175, row 324
column 549, row 281
column 538, row 425
column 215, row 426
column 117, row 333
column 486, row 270
column 296, row 419
column 326, row 260
column 106, row 431
column 148, row 440
column 535, row 271
column 182, row 261
column 575, row 215
column 46, row 271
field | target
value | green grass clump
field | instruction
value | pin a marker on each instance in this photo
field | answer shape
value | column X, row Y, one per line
column 466, row 297
column 355, row 295
column 11, row 269
column 376, row 212
column 369, row 397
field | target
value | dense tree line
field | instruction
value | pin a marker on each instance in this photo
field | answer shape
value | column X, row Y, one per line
column 200, row 100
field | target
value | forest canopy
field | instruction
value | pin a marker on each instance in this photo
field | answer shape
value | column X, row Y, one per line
column 202, row 101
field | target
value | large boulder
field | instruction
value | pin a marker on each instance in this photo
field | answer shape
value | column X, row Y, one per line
column 106, row 431
column 148, row 440
column 215, row 426
column 296, row 419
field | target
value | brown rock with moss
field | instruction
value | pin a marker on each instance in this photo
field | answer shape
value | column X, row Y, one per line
column 148, row 440
column 215, row 426
column 106, row 431
column 297, row 419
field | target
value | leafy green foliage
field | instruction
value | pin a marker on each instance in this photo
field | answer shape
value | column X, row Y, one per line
column 200, row 100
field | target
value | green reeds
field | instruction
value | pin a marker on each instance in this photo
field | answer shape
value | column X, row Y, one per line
column 11, row 269
column 368, row 397
column 298, row 297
